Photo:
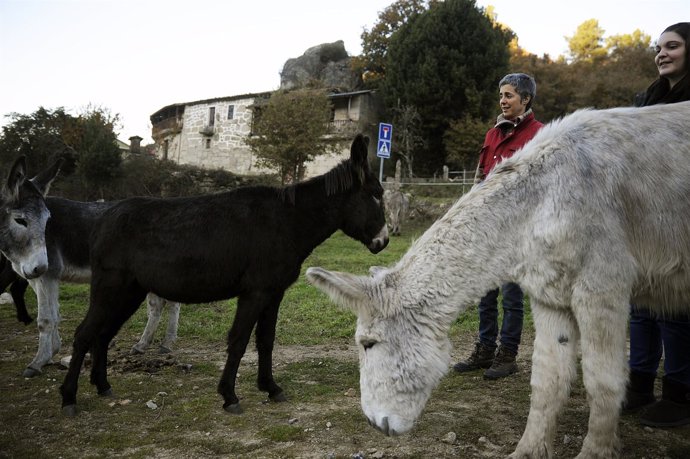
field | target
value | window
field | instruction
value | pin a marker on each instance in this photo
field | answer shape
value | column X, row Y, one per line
column 212, row 116
column 208, row 143
column 231, row 112
column 166, row 145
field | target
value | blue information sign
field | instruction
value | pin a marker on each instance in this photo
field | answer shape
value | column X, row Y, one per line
column 383, row 149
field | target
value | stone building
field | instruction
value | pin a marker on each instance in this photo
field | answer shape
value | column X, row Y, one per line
column 210, row 133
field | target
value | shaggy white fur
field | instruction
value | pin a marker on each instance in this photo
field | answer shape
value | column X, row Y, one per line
column 591, row 215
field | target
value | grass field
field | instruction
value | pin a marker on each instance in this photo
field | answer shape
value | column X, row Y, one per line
column 315, row 362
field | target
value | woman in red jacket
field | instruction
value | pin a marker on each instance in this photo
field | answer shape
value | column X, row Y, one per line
column 515, row 126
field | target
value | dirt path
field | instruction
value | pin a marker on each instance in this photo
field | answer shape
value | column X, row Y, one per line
column 166, row 407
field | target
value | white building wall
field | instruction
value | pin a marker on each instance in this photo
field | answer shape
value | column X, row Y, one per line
column 224, row 148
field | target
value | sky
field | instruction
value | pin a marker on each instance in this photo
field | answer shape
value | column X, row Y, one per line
column 134, row 57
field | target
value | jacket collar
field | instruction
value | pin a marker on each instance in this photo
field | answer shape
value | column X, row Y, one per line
column 506, row 124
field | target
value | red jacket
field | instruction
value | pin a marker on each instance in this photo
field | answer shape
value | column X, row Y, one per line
column 498, row 147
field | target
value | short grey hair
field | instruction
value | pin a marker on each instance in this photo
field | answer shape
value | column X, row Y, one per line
column 523, row 84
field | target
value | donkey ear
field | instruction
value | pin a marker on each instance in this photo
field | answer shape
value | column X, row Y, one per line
column 359, row 150
column 375, row 271
column 44, row 179
column 15, row 179
column 344, row 289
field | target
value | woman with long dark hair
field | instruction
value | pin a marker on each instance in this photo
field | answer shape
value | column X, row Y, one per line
column 651, row 335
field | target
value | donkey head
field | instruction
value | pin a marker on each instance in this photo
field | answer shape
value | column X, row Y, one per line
column 364, row 214
column 23, row 218
column 403, row 353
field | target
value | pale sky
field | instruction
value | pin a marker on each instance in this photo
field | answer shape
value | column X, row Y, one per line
column 134, row 57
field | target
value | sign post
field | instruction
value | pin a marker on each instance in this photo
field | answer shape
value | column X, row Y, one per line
column 383, row 149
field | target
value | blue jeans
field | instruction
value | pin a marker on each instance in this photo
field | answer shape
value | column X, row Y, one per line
column 511, row 329
column 650, row 335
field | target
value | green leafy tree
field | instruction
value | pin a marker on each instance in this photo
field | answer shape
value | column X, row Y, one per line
column 635, row 40
column 446, row 62
column 99, row 157
column 372, row 62
column 40, row 136
column 463, row 141
column 290, row 131
column 87, row 143
column 587, row 42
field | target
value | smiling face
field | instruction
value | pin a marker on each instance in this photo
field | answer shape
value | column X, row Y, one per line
column 671, row 57
column 512, row 105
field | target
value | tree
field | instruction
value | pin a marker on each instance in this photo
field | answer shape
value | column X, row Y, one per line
column 99, row 157
column 407, row 138
column 446, row 62
column 635, row 40
column 558, row 87
column 587, row 42
column 86, row 142
column 463, row 141
column 291, row 131
column 40, row 136
column 372, row 62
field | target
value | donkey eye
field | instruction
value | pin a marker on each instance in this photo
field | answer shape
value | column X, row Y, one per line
column 368, row 343
column 21, row 221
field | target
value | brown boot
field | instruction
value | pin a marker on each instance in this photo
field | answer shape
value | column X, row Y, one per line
column 672, row 410
column 503, row 364
column 481, row 357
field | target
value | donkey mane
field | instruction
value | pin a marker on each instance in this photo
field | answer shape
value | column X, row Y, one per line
column 338, row 180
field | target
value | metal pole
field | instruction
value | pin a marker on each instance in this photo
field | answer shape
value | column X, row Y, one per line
column 381, row 171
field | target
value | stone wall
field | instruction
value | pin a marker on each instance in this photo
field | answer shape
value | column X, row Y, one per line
column 190, row 137
column 220, row 144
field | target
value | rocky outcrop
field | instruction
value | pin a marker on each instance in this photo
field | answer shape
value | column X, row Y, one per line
column 326, row 65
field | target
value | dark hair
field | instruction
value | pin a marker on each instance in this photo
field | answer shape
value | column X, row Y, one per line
column 523, row 84
column 660, row 92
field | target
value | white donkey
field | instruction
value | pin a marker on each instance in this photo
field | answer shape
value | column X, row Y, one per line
column 593, row 214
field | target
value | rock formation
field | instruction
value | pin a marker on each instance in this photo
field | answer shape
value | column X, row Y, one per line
column 326, row 65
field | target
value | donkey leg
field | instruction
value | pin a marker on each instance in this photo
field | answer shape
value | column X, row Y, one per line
column 248, row 306
column 17, row 290
column 171, row 332
column 47, row 292
column 265, row 337
column 154, row 309
column 83, row 337
column 17, row 285
column 109, row 308
column 116, row 311
column 553, row 370
column 603, row 326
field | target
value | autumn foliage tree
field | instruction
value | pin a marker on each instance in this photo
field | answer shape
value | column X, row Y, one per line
column 290, row 131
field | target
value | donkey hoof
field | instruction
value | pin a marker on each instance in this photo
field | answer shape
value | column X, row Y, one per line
column 234, row 408
column 164, row 350
column 106, row 393
column 69, row 410
column 136, row 351
column 279, row 397
column 31, row 372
